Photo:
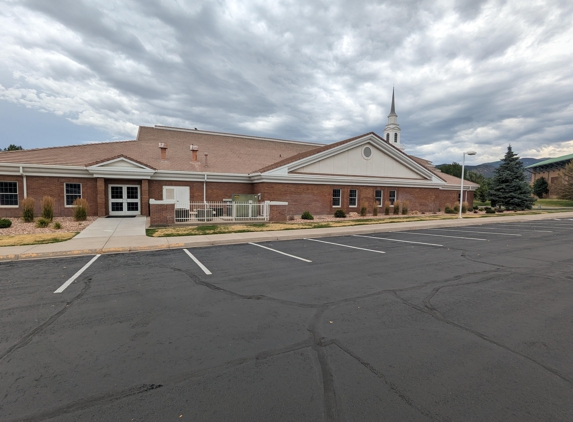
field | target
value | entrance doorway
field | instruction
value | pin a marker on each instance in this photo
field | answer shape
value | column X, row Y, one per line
column 124, row 200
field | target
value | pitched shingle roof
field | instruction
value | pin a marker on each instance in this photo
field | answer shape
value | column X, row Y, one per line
column 227, row 153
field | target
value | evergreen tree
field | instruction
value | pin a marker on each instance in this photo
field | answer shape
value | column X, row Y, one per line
column 508, row 186
column 13, row 147
column 540, row 187
column 564, row 187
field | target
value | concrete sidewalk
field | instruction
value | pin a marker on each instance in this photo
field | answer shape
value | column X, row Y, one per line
column 111, row 235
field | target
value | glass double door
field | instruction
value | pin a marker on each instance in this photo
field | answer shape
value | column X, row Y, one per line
column 124, row 200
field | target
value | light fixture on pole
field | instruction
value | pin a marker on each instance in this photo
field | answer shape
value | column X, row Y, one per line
column 462, row 184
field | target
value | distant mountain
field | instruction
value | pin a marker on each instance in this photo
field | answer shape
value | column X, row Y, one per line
column 487, row 169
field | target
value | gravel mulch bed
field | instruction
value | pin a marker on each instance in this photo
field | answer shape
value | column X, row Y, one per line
column 356, row 216
column 68, row 225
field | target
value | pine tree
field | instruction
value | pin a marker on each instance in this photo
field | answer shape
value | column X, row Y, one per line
column 564, row 188
column 509, row 187
column 540, row 187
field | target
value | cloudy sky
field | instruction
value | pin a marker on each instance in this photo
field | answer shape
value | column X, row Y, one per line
column 468, row 74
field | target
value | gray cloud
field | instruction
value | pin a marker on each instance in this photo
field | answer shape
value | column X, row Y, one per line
column 475, row 74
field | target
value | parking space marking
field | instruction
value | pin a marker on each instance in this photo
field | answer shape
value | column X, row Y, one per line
column 282, row 253
column 546, row 225
column 345, row 246
column 506, row 228
column 396, row 240
column 204, row 268
column 442, row 235
column 465, row 231
column 76, row 275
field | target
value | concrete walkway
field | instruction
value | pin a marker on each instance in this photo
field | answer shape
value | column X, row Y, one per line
column 114, row 235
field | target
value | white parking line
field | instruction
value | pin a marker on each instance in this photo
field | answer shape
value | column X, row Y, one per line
column 204, row 268
column 396, row 240
column 505, row 228
column 546, row 225
column 465, row 231
column 441, row 235
column 345, row 246
column 76, row 275
column 282, row 253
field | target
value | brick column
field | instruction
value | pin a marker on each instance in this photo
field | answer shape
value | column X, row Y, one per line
column 101, row 205
column 145, row 197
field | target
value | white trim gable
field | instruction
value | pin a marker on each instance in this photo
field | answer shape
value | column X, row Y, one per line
column 122, row 168
column 409, row 169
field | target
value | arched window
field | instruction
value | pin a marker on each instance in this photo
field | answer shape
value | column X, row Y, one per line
column 395, row 137
column 387, row 137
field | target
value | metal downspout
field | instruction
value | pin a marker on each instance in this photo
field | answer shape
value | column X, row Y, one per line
column 24, row 182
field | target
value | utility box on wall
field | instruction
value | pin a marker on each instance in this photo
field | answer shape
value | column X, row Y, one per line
column 245, row 205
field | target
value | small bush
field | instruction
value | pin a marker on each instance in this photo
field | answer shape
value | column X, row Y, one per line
column 457, row 207
column 476, row 207
column 499, row 210
column 405, row 205
column 448, row 205
column 340, row 214
column 81, row 209
column 449, row 210
column 307, row 216
column 5, row 223
column 363, row 211
column 57, row 225
column 396, row 207
column 290, row 218
column 375, row 210
column 42, row 222
column 476, row 212
column 48, row 208
column 28, row 210
column 465, row 207
column 387, row 208
column 488, row 210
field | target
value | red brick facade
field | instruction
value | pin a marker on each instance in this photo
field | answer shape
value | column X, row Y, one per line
column 161, row 214
column 300, row 197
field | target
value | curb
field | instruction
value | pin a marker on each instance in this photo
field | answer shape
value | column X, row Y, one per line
column 221, row 240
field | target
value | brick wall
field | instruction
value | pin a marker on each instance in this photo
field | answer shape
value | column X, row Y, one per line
column 215, row 191
column 278, row 213
column 317, row 199
column 161, row 214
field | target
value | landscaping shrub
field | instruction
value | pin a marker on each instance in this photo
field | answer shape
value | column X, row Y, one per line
column 307, row 216
column 81, row 209
column 340, row 214
column 57, row 225
column 396, row 207
column 290, row 218
column 449, row 210
column 5, row 223
column 476, row 212
column 28, row 210
column 42, row 222
column 465, row 207
column 363, row 211
column 457, row 207
column 375, row 210
column 499, row 210
column 405, row 205
column 387, row 208
column 476, row 207
column 48, row 208
column 488, row 210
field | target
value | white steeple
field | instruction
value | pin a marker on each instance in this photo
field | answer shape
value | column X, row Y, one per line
column 392, row 129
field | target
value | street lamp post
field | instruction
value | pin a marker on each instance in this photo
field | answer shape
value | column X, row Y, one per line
column 462, row 184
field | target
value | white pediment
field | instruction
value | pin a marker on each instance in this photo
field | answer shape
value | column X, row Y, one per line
column 121, row 168
column 362, row 160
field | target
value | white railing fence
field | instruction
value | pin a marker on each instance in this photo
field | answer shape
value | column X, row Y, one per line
column 204, row 212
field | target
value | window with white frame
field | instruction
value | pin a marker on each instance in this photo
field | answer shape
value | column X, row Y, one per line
column 336, row 196
column 378, row 197
column 392, row 197
column 353, row 198
column 8, row 194
column 72, row 192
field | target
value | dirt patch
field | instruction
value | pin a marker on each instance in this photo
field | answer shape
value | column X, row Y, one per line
column 34, row 239
column 68, row 226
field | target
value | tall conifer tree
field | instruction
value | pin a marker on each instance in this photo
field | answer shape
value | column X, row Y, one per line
column 508, row 186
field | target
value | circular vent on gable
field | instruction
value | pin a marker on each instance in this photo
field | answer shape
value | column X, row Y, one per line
column 367, row 152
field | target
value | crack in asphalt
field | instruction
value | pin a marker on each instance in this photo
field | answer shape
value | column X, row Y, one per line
column 26, row 339
column 436, row 314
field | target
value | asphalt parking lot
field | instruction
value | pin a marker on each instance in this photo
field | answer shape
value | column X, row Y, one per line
column 465, row 324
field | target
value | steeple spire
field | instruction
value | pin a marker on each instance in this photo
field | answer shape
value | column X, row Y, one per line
column 393, row 109
column 392, row 129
